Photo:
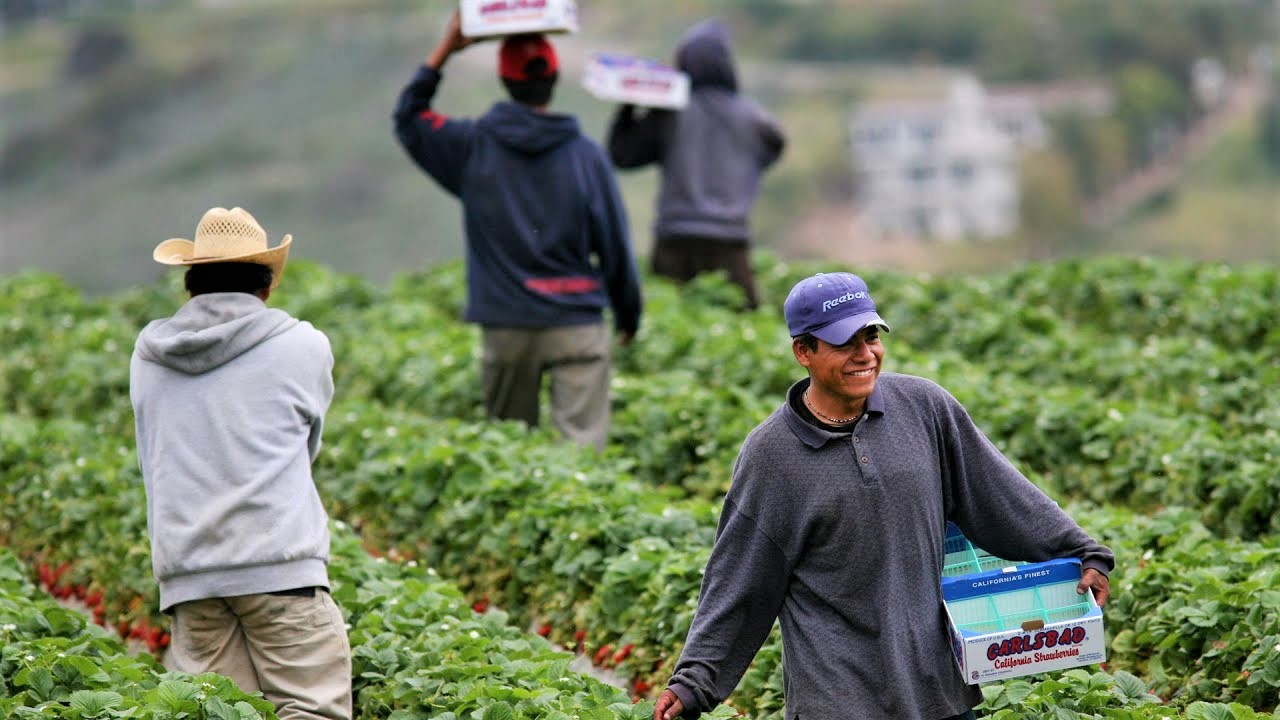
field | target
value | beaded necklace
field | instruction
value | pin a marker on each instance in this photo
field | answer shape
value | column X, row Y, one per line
column 829, row 419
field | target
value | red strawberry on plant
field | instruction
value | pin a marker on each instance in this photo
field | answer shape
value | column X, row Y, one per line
column 544, row 630
column 603, row 654
column 481, row 605
column 623, row 652
column 153, row 638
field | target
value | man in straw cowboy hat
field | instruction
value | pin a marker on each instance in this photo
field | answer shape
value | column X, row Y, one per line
column 548, row 245
column 229, row 398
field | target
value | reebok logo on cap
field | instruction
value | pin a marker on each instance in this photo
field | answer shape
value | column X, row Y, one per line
column 831, row 307
column 844, row 299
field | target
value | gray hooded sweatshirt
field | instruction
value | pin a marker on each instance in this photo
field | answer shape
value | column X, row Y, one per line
column 712, row 152
column 229, row 398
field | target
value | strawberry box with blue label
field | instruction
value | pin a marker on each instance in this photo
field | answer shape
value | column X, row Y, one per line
column 1022, row 620
column 636, row 81
column 492, row 18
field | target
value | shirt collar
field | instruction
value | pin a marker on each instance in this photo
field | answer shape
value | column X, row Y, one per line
column 811, row 435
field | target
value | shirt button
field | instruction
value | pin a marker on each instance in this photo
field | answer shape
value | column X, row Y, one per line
column 865, row 459
column 855, row 438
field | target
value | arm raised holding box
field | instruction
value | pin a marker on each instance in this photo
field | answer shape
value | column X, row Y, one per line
column 451, row 42
column 636, row 140
column 435, row 142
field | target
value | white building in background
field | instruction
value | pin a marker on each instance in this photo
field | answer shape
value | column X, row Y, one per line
column 943, row 170
column 1209, row 83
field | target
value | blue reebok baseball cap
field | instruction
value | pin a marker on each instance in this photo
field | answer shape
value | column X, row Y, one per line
column 831, row 307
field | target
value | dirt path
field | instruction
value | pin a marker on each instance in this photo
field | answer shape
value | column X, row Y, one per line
column 1138, row 187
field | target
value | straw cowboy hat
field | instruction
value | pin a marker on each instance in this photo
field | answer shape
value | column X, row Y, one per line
column 226, row 236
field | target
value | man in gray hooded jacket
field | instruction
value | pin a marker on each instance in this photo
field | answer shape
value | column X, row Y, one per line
column 229, row 398
column 712, row 155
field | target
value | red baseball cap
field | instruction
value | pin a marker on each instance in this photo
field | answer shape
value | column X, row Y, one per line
column 518, row 51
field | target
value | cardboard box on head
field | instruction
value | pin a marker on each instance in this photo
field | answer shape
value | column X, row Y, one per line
column 492, row 18
column 636, row 81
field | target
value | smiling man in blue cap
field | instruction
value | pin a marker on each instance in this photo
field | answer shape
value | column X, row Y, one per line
column 835, row 524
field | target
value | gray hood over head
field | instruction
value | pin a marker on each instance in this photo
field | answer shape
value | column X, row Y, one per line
column 209, row 331
column 704, row 53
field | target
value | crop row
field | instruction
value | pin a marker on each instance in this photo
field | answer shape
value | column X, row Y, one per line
column 1121, row 382
column 596, row 560
column 582, row 544
column 419, row 647
column 586, row 548
column 55, row 663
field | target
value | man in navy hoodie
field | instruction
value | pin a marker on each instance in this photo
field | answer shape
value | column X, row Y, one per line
column 548, row 245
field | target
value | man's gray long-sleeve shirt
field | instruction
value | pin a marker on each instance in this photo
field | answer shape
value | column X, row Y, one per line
column 840, row 536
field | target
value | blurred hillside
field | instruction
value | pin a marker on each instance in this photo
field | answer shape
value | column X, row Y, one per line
column 123, row 121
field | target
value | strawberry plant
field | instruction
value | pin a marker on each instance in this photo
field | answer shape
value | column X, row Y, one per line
column 605, row 550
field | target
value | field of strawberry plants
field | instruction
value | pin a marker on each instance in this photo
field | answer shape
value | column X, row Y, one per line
column 1143, row 396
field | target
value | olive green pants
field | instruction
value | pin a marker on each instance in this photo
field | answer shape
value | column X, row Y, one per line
column 293, row 649
column 576, row 358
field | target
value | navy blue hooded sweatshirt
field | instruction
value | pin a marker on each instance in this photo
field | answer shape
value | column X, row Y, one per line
column 548, row 243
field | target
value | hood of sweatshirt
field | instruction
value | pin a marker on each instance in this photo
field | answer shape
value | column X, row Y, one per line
column 704, row 53
column 526, row 130
column 209, row 331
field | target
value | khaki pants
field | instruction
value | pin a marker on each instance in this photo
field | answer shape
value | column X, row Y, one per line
column 293, row 649
column 577, row 359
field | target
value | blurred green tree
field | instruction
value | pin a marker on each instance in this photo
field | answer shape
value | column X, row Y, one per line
column 1049, row 207
column 1269, row 123
column 1149, row 103
column 1097, row 147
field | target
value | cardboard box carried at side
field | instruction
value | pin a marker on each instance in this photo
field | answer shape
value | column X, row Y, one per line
column 489, row 18
column 1022, row 620
column 637, row 81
